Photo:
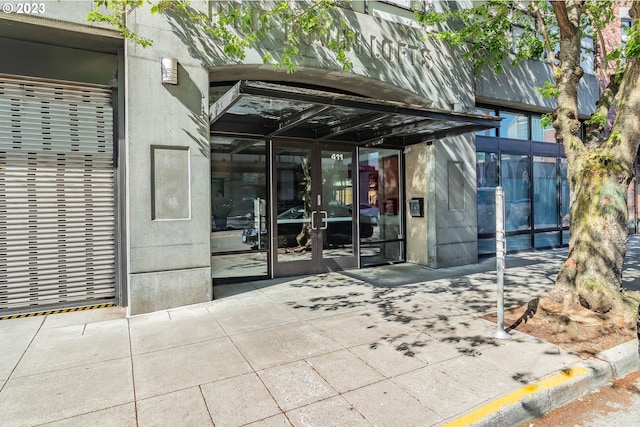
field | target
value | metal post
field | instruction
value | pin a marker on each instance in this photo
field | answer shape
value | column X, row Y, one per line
column 500, row 254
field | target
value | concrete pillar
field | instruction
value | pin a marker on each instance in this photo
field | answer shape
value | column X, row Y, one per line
column 168, row 176
column 443, row 173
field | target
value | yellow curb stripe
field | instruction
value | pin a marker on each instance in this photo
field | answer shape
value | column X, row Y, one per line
column 61, row 310
column 563, row 377
column 511, row 398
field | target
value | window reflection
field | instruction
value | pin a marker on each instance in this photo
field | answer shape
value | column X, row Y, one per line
column 540, row 133
column 516, row 181
column 294, row 192
column 238, row 207
column 486, row 112
column 545, row 192
column 536, row 188
column 487, row 173
column 337, row 196
column 514, row 125
column 379, row 199
column 544, row 178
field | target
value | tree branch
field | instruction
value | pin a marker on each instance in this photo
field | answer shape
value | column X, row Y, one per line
column 568, row 75
column 545, row 35
column 595, row 131
column 601, row 41
column 560, row 8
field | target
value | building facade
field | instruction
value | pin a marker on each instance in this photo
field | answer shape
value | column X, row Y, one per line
column 145, row 176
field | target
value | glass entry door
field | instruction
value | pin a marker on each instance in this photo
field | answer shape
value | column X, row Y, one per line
column 313, row 192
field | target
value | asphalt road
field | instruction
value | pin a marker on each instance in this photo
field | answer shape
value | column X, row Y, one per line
column 617, row 405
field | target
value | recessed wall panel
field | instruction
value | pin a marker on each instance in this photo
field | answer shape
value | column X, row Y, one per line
column 170, row 172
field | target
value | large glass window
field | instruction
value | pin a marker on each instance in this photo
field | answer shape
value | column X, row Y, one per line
column 545, row 193
column 565, row 200
column 541, row 133
column 536, row 188
column 520, row 242
column 516, row 181
column 545, row 201
column 487, row 173
column 487, row 176
column 238, row 207
column 547, row 240
column 514, row 125
column 587, row 58
column 486, row 112
column 379, row 199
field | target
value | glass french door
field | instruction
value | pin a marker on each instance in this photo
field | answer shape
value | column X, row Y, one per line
column 313, row 199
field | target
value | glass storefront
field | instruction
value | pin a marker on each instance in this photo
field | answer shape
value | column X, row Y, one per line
column 536, row 203
column 533, row 174
column 533, row 177
column 293, row 201
column 310, row 192
column 564, row 195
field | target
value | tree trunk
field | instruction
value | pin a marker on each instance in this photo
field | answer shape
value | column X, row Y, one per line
column 592, row 274
column 599, row 173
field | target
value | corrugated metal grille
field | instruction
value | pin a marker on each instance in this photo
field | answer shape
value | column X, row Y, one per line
column 56, row 195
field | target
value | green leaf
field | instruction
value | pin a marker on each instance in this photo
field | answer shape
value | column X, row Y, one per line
column 548, row 90
column 546, row 120
column 596, row 119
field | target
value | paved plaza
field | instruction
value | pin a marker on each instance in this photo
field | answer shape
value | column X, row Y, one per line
column 387, row 346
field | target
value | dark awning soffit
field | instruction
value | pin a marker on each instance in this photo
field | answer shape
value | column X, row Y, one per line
column 258, row 109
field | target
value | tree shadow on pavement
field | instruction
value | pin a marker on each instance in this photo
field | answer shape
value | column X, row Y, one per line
column 440, row 311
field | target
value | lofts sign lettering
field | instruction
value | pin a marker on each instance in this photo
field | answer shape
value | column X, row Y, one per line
column 379, row 47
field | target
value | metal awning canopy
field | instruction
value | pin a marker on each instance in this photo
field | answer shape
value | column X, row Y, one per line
column 265, row 110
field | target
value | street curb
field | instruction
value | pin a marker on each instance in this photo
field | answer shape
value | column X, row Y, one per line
column 623, row 358
column 558, row 389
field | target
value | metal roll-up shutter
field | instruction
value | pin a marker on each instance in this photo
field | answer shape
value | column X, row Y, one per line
column 57, row 223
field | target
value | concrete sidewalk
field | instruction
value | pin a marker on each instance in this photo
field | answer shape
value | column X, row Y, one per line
column 399, row 345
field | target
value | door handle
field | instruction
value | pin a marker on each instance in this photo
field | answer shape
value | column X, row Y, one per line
column 325, row 222
column 313, row 222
